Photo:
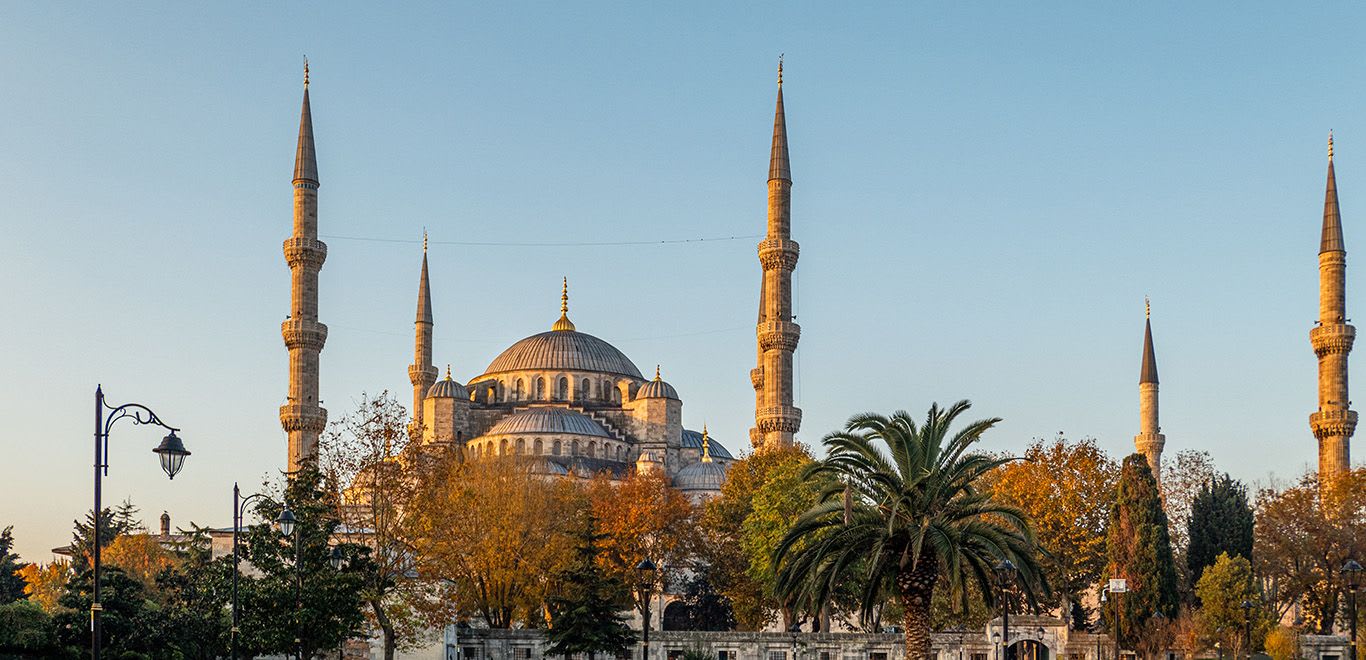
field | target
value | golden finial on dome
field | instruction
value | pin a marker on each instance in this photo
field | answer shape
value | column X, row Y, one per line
column 656, row 373
column 1330, row 144
column 305, row 72
column 706, row 444
column 564, row 324
column 448, row 371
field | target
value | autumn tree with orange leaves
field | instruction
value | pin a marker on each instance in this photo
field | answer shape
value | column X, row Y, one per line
column 643, row 516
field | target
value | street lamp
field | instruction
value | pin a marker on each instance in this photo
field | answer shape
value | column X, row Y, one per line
column 996, row 644
column 645, row 571
column 1005, row 576
column 336, row 559
column 239, row 506
column 1247, row 626
column 172, row 453
column 1351, row 572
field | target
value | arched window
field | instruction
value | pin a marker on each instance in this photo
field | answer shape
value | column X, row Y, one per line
column 493, row 394
column 616, row 396
column 538, row 447
column 556, row 448
column 574, row 448
column 605, row 392
column 592, row 449
column 503, row 447
column 521, row 446
column 582, row 394
column 540, row 389
column 517, row 390
column 562, row 391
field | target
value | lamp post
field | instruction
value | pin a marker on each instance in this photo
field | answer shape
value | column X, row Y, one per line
column 645, row 571
column 1351, row 571
column 172, row 453
column 289, row 527
column 239, row 506
column 1247, row 627
column 1005, row 576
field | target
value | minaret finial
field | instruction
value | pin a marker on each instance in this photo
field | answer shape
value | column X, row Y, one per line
column 1330, row 144
column 564, row 324
column 780, row 68
column 1147, row 307
column 424, row 240
column 306, row 72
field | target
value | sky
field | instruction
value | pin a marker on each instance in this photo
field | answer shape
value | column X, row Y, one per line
column 983, row 193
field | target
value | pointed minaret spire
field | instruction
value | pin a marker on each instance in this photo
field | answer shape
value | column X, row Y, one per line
column 564, row 324
column 302, row 417
column 422, row 373
column 776, row 419
column 1149, row 440
column 1334, row 422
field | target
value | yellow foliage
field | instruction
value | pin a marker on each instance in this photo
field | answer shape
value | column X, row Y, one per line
column 141, row 556
column 1283, row 643
column 46, row 583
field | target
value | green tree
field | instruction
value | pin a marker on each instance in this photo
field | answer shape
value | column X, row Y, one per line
column 1139, row 551
column 196, row 599
column 915, row 513
column 1223, row 589
column 298, row 600
column 585, row 616
column 25, row 631
column 12, row 582
column 128, row 626
column 1220, row 522
column 705, row 608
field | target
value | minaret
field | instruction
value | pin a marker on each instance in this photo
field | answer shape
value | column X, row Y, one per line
column 776, row 420
column 302, row 418
column 1149, row 440
column 1334, row 422
column 422, row 373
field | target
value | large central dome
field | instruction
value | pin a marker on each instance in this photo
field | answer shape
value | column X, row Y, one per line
column 563, row 350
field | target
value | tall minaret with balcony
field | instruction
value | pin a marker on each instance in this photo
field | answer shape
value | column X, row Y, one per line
column 1149, row 440
column 422, row 373
column 1332, row 339
column 776, row 420
column 302, row 417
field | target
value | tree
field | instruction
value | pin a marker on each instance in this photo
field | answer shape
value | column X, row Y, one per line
column 1283, row 643
column 25, row 631
column 1182, row 478
column 1223, row 588
column 298, row 600
column 195, row 594
column 12, row 583
column 140, row 556
column 585, row 617
column 915, row 513
column 705, row 608
column 46, row 583
column 364, row 454
column 1220, row 522
column 495, row 532
column 128, row 626
column 1301, row 545
column 739, row 543
column 642, row 516
column 1139, row 551
column 1057, row 487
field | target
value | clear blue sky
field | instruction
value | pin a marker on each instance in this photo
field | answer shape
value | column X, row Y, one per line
column 984, row 192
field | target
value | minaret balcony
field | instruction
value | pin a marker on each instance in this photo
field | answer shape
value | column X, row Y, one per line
column 308, row 252
column 779, row 335
column 303, row 333
column 779, row 253
column 1333, row 423
column 299, row 417
column 1332, row 338
column 778, row 418
column 422, row 374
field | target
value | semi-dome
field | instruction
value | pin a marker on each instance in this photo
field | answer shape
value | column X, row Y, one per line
column 563, row 350
column 703, row 475
column 657, row 389
column 693, row 440
column 548, row 420
column 447, row 388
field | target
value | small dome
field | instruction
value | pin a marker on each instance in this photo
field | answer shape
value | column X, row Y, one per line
column 448, row 389
column 657, row 389
column 548, row 420
column 549, row 467
column 693, row 440
column 703, row 475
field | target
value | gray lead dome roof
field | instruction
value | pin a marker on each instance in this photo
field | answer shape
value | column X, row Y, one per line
column 548, row 420
column 693, row 440
column 563, row 350
column 700, row 476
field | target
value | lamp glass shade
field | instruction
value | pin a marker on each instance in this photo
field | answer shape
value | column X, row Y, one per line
column 172, row 453
column 286, row 522
column 1352, row 572
column 336, row 558
column 1005, row 571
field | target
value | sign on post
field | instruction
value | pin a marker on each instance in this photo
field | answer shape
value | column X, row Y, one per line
column 1118, row 586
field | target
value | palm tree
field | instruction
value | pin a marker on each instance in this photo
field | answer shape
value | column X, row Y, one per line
column 899, row 522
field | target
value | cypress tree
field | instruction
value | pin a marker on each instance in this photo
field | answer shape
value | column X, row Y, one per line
column 1221, row 522
column 586, row 616
column 11, row 583
column 1139, row 548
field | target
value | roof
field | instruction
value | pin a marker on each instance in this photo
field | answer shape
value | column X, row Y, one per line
column 693, row 440
column 778, row 167
column 447, row 388
column 703, row 475
column 305, row 156
column 1331, row 240
column 657, row 389
column 1148, row 373
column 563, row 350
column 548, row 420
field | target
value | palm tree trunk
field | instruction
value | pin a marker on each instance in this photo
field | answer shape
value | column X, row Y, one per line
column 915, row 589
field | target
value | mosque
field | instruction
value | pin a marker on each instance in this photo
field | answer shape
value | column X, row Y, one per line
column 571, row 401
